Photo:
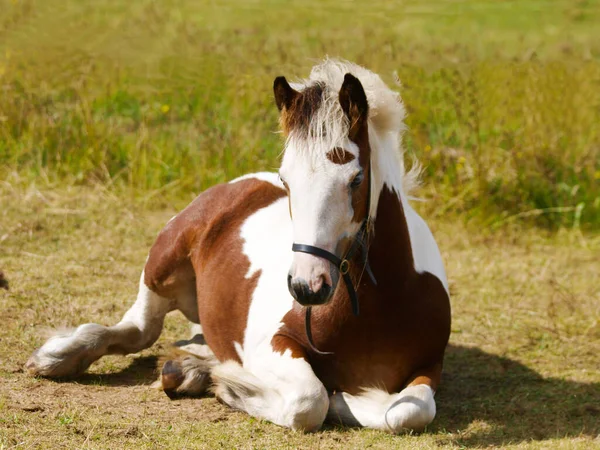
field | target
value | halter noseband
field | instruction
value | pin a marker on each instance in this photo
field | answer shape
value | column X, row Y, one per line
column 343, row 265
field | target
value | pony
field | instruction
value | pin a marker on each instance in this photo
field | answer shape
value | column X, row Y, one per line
column 257, row 262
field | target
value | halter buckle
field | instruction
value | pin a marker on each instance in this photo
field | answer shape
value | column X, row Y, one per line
column 344, row 267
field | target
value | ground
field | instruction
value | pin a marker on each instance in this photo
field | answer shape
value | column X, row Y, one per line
column 521, row 370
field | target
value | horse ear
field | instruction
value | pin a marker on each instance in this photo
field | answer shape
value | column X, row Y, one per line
column 354, row 102
column 284, row 94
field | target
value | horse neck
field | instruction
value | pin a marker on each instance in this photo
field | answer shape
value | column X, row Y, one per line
column 390, row 252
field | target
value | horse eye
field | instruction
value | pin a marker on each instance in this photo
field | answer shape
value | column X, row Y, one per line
column 356, row 181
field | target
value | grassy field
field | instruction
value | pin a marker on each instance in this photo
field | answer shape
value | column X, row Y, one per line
column 173, row 96
column 115, row 114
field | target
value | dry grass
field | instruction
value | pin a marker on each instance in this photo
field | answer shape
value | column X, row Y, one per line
column 521, row 371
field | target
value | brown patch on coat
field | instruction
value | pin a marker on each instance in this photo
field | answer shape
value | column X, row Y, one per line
column 430, row 376
column 201, row 249
column 353, row 102
column 281, row 343
column 340, row 156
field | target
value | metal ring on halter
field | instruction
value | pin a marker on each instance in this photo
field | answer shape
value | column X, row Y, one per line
column 344, row 267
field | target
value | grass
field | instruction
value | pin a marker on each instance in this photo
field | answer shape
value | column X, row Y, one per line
column 171, row 97
column 521, row 370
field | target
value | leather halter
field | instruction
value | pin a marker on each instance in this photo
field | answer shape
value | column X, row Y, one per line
column 343, row 265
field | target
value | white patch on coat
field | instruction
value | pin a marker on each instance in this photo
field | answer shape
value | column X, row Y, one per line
column 275, row 387
column 412, row 409
column 269, row 177
column 267, row 236
column 269, row 385
column 195, row 329
column 426, row 254
column 147, row 314
column 239, row 349
column 320, row 196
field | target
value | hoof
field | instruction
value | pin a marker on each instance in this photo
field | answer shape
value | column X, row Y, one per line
column 44, row 364
column 171, row 378
column 39, row 365
column 32, row 365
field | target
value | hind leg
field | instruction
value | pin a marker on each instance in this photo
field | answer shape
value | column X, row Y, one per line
column 186, row 375
column 187, row 372
column 71, row 353
column 413, row 408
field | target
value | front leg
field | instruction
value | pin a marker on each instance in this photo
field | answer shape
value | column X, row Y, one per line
column 413, row 408
column 71, row 353
column 276, row 383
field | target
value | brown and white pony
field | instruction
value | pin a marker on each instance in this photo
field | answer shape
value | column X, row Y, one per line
column 226, row 262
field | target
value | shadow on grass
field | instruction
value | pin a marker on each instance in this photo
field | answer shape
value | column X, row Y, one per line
column 142, row 371
column 514, row 400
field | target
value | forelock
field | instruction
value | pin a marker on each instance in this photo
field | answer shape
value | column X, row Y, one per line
column 315, row 121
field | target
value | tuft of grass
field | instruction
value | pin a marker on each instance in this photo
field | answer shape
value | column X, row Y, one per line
column 163, row 99
column 65, row 419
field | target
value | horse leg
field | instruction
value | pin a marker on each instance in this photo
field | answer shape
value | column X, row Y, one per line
column 71, row 353
column 167, row 283
column 187, row 372
column 411, row 409
column 278, row 385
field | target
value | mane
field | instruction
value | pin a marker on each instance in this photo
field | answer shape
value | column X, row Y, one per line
column 329, row 126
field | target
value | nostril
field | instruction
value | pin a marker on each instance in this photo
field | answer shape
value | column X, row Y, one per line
column 302, row 292
column 325, row 292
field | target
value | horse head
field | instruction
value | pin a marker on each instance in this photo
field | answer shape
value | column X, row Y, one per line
column 326, row 172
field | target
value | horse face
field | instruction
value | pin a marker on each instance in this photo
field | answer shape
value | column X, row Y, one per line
column 327, row 183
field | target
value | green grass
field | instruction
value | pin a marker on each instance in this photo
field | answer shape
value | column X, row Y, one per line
column 162, row 99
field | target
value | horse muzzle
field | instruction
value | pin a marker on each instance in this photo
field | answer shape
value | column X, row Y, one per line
column 303, row 294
